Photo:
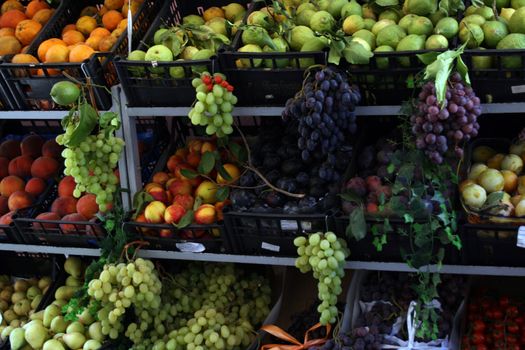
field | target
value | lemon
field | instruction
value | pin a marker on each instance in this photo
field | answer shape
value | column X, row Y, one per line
column 65, row 93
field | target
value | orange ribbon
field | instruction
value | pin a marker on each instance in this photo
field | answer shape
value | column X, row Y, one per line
column 297, row 345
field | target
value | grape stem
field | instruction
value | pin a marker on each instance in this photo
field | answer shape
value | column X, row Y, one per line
column 139, row 245
column 250, row 166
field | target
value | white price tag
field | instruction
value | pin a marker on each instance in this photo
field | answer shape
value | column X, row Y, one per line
column 190, row 247
column 521, row 237
column 291, row 225
column 518, row 89
column 271, row 247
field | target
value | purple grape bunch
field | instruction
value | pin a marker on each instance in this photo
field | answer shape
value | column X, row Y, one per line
column 441, row 130
column 325, row 111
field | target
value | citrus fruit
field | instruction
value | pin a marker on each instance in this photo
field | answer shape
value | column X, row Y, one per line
column 485, row 12
column 436, row 42
column 352, row 8
column 381, row 24
column 391, row 14
column 494, row 31
column 65, row 93
column 367, row 36
column 517, row 21
column 352, row 24
column 390, row 36
column 472, row 34
column 512, row 41
column 448, row 27
column 406, row 20
column 382, row 62
column 369, row 23
column 322, row 21
column 420, row 7
column 410, row 42
column 420, row 26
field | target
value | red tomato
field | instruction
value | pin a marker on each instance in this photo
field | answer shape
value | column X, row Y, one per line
column 512, row 311
column 478, row 338
column 497, row 314
column 513, row 327
column 479, row 326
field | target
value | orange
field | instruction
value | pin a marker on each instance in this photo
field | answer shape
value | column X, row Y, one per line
column 89, row 11
column 9, row 45
column 34, row 6
column 94, row 41
column 69, row 27
column 101, row 32
column 80, row 53
column 25, row 59
column 45, row 45
column 27, row 30
column 43, row 16
column 123, row 25
column 102, row 11
column 12, row 5
column 86, row 24
column 117, row 33
column 57, row 53
column 72, row 37
column 135, row 6
column 25, row 49
column 49, row 72
column 11, row 18
column 7, row 32
column 114, row 4
column 111, row 19
column 107, row 43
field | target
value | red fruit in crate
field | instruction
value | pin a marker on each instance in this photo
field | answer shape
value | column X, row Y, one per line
column 159, row 194
column 217, row 79
column 35, row 186
column 32, row 146
column 48, row 225
column 194, row 146
column 385, row 191
column 224, row 84
column 154, row 212
column 152, row 185
column 75, row 226
column 64, row 206
column 21, row 166
column 66, row 186
column 193, row 159
column 357, row 185
column 180, row 187
column 185, row 200
column 174, row 213
column 7, row 219
column 11, row 184
column 4, row 208
column 4, row 167
column 20, row 200
column 219, row 206
column 165, row 233
column 373, row 183
column 141, row 219
column 52, row 149
column 87, row 206
column 512, row 327
column 10, row 149
column 45, row 168
column 173, row 162
column 178, row 172
column 160, row 178
column 206, row 214
column 371, row 208
column 207, row 147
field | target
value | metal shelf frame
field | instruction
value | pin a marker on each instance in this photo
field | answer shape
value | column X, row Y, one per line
column 130, row 174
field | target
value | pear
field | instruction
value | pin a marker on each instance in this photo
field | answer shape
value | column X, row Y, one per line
column 16, row 323
column 37, row 315
column 6, row 331
column 73, row 266
column 74, row 340
column 21, row 286
column 58, row 336
column 36, row 301
column 16, row 338
column 65, row 292
column 6, row 294
column 73, row 282
column 3, row 305
column 95, row 331
column 33, row 281
column 58, row 324
column 32, row 292
column 59, row 302
column 17, row 296
column 50, row 313
column 9, row 315
column 44, row 282
column 22, row 307
column 75, row 327
column 36, row 335
column 91, row 344
column 33, row 323
column 53, row 344
column 27, row 347
column 86, row 318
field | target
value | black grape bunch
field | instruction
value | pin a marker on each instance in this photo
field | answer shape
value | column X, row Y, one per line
column 440, row 130
column 325, row 111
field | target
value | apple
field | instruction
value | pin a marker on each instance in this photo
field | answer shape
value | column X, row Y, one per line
column 491, row 180
column 206, row 214
column 177, row 72
column 513, row 163
column 474, row 196
column 207, row 191
column 137, row 55
column 475, row 170
column 159, row 53
column 188, row 52
column 154, row 212
column 174, row 213
column 157, row 36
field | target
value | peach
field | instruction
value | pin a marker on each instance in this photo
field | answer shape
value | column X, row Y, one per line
column 87, row 206
column 207, row 147
column 4, row 208
column 151, row 186
column 219, row 206
column 21, row 166
column 206, row 214
column 32, row 146
column 20, row 200
column 491, row 180
column 159, row 194
column 465, row 183
column 495, row 161
column 141, row 219
column 174, row 213
column 52, row 149
column 154, row 212
column 185, row 200
column 169, row 197
column 207, row 191
column 511, row 181
column 180, row 187
column 45, row 168
column 64, row 206
column 11, row 184
column 4, row 167
column 160, row 178
column 10, row 149
column 35, row 186
column 49, row 216
column 194, row 145
column 193, row 159
column 233, row 171
column 170, row 181
column 73, row 228
column 7, row 219
column 66, row 186
column 173, row 162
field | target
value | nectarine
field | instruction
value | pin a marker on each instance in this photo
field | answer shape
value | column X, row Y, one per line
column 45, row 167
column 64, row 206
column 11, row 184
column 154, row 212
column 20, row 200
column 185, row 200
column 207, row 191
column 73, row 228
column 46, row 225
column 174, row 213
column 180, row 187
column 21, row 166
column 51, row 149
column 32, row 146
column 35, row 186
column 10, row 149
column 66, row 186
column 160, row 178
column 7, row 219
column 205, row 214
column 87, row 206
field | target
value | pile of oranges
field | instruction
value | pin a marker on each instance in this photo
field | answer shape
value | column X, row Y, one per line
column 20, row 24
column 96, row 30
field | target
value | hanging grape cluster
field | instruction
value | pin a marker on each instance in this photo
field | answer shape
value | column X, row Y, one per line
column 439, row 129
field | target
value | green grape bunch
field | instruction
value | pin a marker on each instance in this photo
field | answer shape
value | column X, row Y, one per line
column 214, row 104
column 325, row 255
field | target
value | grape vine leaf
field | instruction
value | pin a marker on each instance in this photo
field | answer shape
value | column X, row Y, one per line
column 88, row 119
column 357, row 227
column 206, row 163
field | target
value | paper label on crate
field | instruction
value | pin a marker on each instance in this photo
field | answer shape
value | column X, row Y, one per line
column 521, row 237
column 291, row 225
column 271, row 247
column 517, row 89
column 190, row 247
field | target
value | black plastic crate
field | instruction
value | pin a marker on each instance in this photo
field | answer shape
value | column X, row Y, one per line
column 31, row 90
column 154, row 139
column 145, row 86
column 271, row 233
column 6, row 99
column 260, row 85
column 497, row 83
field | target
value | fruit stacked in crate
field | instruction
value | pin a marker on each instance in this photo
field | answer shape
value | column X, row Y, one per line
column 185, row 203
column 27, row 168
column 20, row 23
